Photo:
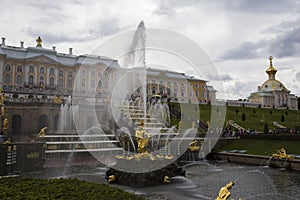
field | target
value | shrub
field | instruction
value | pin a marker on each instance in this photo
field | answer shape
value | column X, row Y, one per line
column 243, row 116
column 266, row 129
column 282, row 118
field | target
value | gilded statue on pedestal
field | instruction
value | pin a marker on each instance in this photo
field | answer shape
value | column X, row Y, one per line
column 142, row 139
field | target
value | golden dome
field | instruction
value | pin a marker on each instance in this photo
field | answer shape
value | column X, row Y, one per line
column 271, row 71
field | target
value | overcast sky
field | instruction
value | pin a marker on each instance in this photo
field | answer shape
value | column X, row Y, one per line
column 238, row 35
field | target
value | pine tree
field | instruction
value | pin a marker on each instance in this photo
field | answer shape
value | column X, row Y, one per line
column 243, row 117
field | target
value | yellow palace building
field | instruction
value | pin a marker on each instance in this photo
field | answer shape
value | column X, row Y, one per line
column 272, row 93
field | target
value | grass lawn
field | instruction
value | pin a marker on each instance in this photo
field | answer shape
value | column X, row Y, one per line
column 256, row 118
column 262, row 147
column 15, row 188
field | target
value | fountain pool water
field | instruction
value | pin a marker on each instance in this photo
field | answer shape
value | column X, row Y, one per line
column 203, row 181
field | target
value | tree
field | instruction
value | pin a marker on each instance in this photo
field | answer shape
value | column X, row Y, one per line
column 243, row 117
column 298, row 103
column 266, row 129
column 271, row 112
column 236, row 111
column 282, row 118
column 254, row 111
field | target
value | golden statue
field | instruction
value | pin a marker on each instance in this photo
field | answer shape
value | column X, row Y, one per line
column 58, row 100
column 5, row 123
column 39, row 42
column 142, row 139
column 42, row 132
column 2, row 111
column 2, row 97
column 166, row 179
column 193, row 146
column 281, row 153
column 111, row 178
column 224, row 192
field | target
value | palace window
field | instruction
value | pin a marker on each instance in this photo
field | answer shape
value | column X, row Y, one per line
column 7, row 78
column 153, row 89
column 60, row 82
column 61, row 73
column 182, row 92
column 31, row 69
column 93, row 84
column 169, row 83
column 106, row 75
column 83, row 83
column 31, row 80
column 19, row 79
column 99, row 75
column 42, row 70
column 197, row 94
column 70, row 83
column 197, row 86
column 70, row 75
column 51, row 80
column 93, row 74
column 106, row 83
column 52, row 71
column 175, row 92
column 19, row 68
column 7, row 68
column 99, row 83
column 175, row 84
column 161, row 90
column 42, row 79
column 168, row 91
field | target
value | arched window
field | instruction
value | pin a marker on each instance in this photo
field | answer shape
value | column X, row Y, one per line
column 93, row 74
column 83, row 73
column 99, row 83
column 60, row 82
column 7, row 68
column 19, row 68
column 51, row 81
column 16, row 124
column 7, row 78
column 106, row 83
column 182, row 92
column 52, row 71
column 99, row 75
column 106, row 75
column 161, row 90
column 168, row 91
column 70, row 83
column 42, row 80
column 31, row 80
column 19, row 79
column 70, row 74
column 31, row 69
column 42, row 70
column 83, row 83
column 175, row 92
column 42, row 122
column 61, row 73
column 93, row 84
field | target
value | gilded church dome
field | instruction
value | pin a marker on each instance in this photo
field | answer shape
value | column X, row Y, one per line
column 272, row 85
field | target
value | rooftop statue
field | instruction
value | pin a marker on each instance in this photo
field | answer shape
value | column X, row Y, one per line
column 39, row 42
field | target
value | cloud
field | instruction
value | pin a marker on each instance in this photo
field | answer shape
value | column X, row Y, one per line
column 286, row 44
column 265, row 6
column 246, row 50
column 298, row 76
column 283, row 45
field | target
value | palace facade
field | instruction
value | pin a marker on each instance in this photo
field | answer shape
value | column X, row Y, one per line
column 33, row 77
column 272, row 93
